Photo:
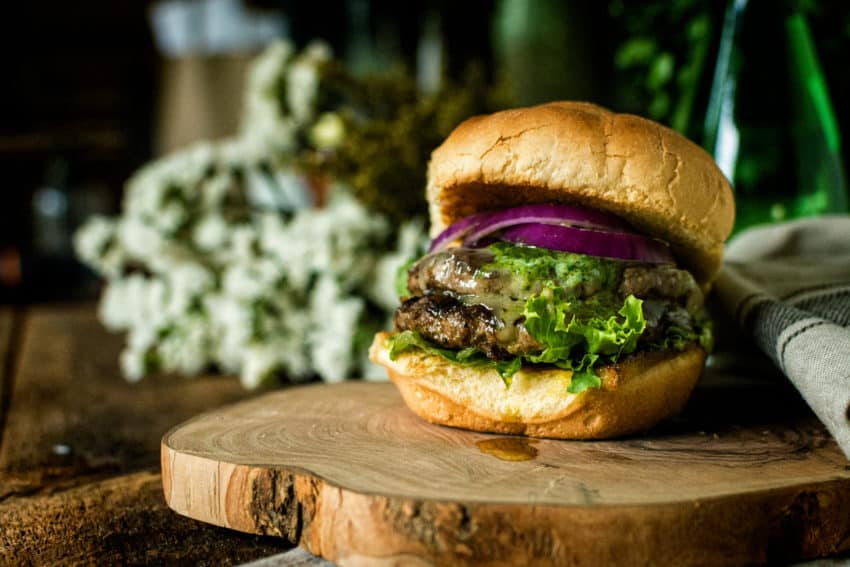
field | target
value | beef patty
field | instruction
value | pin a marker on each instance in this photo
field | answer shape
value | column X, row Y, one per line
column 448, row 322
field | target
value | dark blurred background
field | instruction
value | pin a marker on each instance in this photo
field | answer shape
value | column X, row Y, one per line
column 92, row 90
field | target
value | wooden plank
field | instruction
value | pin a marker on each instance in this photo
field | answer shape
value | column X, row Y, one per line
column 117, row 521
column 73, row 415
column 7, row 317
column 351, row 474
column 79, row 461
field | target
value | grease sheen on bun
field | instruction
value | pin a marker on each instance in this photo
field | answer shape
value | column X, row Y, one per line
column 573, row 152
column 636, row 394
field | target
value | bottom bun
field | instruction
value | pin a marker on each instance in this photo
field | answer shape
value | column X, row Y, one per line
column 636, row 393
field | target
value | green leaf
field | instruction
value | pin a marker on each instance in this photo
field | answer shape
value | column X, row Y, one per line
column 660, row 71
column 581, row 381
column 585, row 340
column 677, row 338
column 636, row 51
column 576, row 335
column 659, row 106
column 507, row 369
column 706, row 335
column 470, row 356
column 407, row 340
column 546, row 318
column 699, row 27
column 401, row 278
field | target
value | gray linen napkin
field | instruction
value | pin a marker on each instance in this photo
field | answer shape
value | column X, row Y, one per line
column 788, row 287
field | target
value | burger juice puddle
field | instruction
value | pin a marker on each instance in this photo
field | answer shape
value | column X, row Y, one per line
column 508, row 448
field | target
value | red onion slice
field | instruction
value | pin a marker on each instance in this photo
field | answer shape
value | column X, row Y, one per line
column 455, row 231
column 564, row 215
column 617, row 245
column 475, row 227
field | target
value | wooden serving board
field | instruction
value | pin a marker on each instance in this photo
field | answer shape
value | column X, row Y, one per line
column 348, row 472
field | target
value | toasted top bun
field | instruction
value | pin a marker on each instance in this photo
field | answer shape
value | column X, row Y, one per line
column 636, row 394
column 574, row 152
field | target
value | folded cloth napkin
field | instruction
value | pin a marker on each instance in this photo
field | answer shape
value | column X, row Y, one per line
column 788, row 287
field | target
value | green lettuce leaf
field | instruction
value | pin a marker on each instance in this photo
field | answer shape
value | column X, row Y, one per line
column 570, row 342
column 575, row 335
column 401, row 278
column 558, row 324
column 471, row 356
column 583, row 380
column 677, row 338
column 578, row 342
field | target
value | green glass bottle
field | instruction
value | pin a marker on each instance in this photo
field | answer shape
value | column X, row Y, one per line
column 770, row 123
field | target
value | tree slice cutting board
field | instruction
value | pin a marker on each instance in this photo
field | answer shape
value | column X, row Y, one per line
column 348, row 472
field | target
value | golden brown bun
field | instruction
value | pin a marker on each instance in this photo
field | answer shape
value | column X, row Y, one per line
column 635, row 395
column 574, row 152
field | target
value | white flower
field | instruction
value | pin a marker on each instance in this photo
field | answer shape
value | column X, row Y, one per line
column 133, row 364
column 355, row 232
column 260, row 362
column 187, row 283
column 264, row 76
column 214, row 190
column 170, row 255
column 113, row 262
column 302, row 86
column 265, row 128
column 91, row 239
column 332, row 336
column 251, row 279
column 284, row 319
column 210, row 232
column 180, row 172
column 92, row 243
column 187, row 167
column 134, row 301
column 233, row 154
column 242, row 242
column 336, row 239
column 141, row 339
column 293, row 246
column 144, row 193
column 412, row 240
column 184, row 349
column 190, row 279
column 142, row 336
column 170, row 218
column 230, row 328
column 302, row 81
column 113, row 310
column 139, row 238
column 266, row 67
column 276, row 135
column 274, row 235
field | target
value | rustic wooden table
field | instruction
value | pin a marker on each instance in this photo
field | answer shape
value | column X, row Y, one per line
column 79, row 452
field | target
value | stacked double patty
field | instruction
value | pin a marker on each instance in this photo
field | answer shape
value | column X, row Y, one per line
column 459, row 298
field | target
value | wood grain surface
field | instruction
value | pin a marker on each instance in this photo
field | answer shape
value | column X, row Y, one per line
column 7, row 320
column 79, row 456
column 352, row 475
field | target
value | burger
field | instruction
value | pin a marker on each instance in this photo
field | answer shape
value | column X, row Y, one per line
column 563, row 292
